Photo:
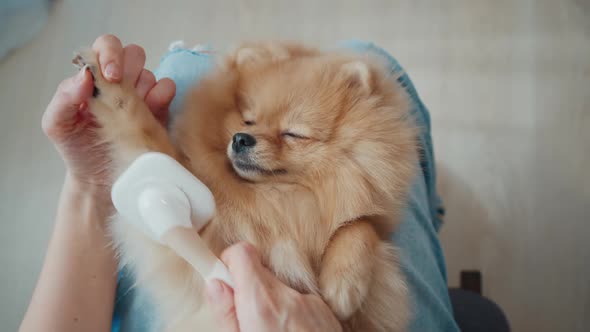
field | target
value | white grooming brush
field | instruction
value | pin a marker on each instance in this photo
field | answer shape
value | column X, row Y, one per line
column 170, row 205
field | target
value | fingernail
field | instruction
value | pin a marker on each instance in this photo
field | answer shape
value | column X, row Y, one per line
column 214, row 289
column 111, row 71
column 83, row 105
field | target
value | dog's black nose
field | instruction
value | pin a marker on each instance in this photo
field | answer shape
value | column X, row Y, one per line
column 242, row 141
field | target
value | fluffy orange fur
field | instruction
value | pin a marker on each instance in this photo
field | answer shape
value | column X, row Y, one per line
column 322, row 189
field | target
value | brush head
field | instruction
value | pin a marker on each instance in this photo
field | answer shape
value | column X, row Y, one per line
column 155, row 180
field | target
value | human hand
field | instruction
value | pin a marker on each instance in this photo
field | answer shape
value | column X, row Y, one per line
column 69, row 124
column 261, row 302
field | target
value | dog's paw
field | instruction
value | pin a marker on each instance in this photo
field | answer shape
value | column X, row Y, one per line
column 344, row 295
column 109, row 99
column 124, row 121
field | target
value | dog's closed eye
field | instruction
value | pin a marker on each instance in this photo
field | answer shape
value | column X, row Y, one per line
column 293, row 135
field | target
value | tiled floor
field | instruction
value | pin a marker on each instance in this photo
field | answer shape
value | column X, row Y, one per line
column 507, row 82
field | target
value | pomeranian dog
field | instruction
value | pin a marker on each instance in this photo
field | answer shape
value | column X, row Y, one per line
column 309, row 156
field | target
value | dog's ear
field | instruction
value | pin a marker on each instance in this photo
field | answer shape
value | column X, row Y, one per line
column 357, row 74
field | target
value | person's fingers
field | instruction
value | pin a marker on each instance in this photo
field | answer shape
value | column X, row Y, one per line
column 145, row 83
column 243, row 262
column 134, row 59
column 159, row 98
column 317, row 313
column 254, row 295
column 68, row 100
column 251, row 278
column 221, row 301
column 110, row 57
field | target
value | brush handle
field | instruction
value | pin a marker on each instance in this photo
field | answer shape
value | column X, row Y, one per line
column 188, row 244
column 165, row 213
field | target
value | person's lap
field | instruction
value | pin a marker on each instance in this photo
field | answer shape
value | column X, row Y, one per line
column 421, row 255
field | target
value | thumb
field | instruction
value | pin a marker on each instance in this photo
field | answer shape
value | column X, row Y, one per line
column 60, row 116
column 221, row 301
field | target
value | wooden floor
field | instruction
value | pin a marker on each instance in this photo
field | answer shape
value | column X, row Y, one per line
column 507, row 82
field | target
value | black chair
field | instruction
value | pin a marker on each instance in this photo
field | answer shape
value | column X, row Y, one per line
column 474, row 312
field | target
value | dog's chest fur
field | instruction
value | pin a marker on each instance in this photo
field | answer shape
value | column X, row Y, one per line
column 284, row 222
